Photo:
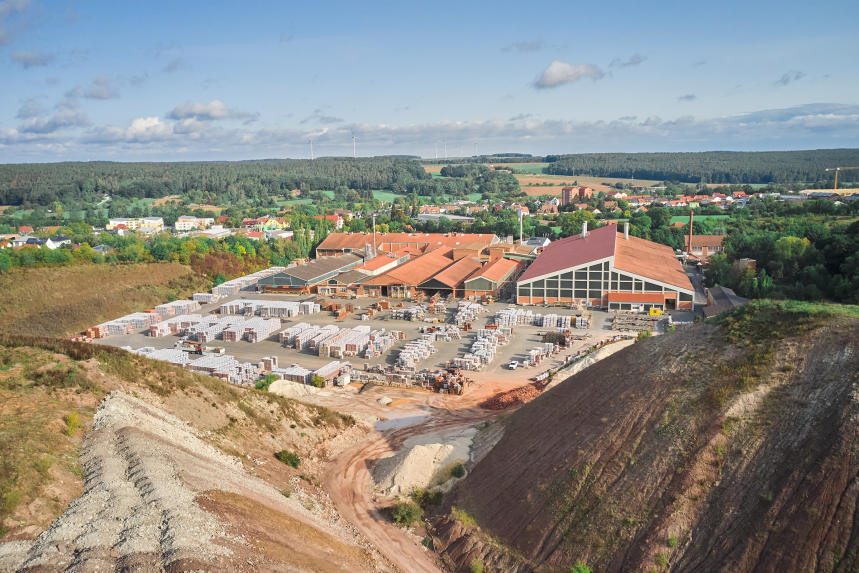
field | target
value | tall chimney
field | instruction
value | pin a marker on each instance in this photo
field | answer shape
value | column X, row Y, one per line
column 689, row 248
column 584, row 229
column 626, row 230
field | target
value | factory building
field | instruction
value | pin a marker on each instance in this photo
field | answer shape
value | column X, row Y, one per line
column 491, row 279
column 338, row 244
column 604, row 268
column 305, row 278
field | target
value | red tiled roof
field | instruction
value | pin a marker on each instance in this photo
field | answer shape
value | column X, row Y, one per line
column 25, row 229
column 415, row 271
column 455, row 274
column 339, row 241
column 254, row 234
column 573, row 251
column 650, row 260
column 378, row 262
column 496, row 270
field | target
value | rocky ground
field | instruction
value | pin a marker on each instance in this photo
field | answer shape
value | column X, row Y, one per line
column 158, row 498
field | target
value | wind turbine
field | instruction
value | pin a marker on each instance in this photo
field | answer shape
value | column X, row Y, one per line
column 353, row 143
column 475, row 149
column 436, row 149
column 311, row 150
column 445, row 149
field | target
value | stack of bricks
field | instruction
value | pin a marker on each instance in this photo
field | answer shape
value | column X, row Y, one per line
column 177, row 307
column 205, row 297
column 414, row 352
column 294, row 373
column 287, row 336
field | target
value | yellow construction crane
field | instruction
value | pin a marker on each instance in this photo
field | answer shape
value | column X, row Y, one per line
column 837, row 169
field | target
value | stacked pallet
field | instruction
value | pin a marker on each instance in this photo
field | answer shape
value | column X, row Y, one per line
column 287, row 336
column 467, row 312
column 206, row 297
column 166, row 327
column 210, row 364
column 414, row 352
column 411, row 313
column 244, row 283
column 177, row 307
column 324, row 334
column 294, row 373
column 171, row 355
column 381, row 342
column 330, row 371
column 514, row 317
column 437, row 307
column 553, row 321
column 268, row 363
column 313, row 335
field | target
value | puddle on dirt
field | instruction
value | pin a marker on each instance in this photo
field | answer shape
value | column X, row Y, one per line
column 397, row 423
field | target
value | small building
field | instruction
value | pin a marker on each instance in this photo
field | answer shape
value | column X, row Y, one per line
column 451, row 280
column 720, row 299
column 344, row 283
column 424, row 217
column 569, row 194
column 335, row 219
column 383, row 263
column 702, row 246
column 491, row 279
column 305, row 278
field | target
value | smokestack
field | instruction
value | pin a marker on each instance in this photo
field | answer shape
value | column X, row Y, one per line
column 626, row 230
column 584, row 229
column 689, row 249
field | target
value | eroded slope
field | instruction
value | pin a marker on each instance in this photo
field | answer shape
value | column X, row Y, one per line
column 715, row 448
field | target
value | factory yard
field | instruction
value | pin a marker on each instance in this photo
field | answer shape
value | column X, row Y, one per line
column 524, row 338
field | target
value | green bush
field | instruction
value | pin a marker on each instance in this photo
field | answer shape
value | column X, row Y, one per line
column 407, row 513
column 580, row 567
column 644, row 334
column 458, row 471
column 672, row 542
column 318, row 381
column 289, row 458
column 476, row 566
column 72, row 423
column 266, row 382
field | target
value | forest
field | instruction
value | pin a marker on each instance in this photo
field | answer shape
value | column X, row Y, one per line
column 724, row 167
column 32, row 184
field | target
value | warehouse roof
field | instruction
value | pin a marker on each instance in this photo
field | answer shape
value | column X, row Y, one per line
column 415, row 271
column 658, row 298
column 572, row 252
column 638, row 256
column 650, row 260
column 318, row 267
column 495, row 271
column 351, row 277
column 455, row 274
column 339, row 241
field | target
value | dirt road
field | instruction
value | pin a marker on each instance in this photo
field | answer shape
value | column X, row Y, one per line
column 348, row 480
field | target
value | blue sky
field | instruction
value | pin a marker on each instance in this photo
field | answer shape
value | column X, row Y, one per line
column 244, row 80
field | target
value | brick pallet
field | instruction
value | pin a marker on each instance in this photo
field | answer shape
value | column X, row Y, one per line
column 205, row 297
column 287, row 336
column 177, row 307
column 414, row 352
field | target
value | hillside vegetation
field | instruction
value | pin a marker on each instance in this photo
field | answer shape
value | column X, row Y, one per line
column 63, row 300
column 728, row 446
column 49, row 392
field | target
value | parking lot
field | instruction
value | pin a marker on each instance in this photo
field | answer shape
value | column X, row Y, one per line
column 524, row 337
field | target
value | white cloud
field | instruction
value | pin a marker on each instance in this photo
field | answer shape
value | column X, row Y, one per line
column 559, row 73
column 7, row 8
column 687, row 97
column 807, row 126
column 318, row 117
column 32, row 59
column 520, row 117
column 68, row 115
column 101, row 89
column 31, row 108
column 209, row 111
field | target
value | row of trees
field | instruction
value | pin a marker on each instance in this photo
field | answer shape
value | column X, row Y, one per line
column 709, row 167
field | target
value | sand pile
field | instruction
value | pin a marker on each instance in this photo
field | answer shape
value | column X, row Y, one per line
column 289, row 389
column 424, row 462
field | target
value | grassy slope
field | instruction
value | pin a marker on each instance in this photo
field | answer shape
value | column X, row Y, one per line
column 62, row 300
column 720, row 447
column 44, row 380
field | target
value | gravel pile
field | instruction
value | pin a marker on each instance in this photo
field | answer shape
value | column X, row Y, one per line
column 143, row 469
column 423, row 462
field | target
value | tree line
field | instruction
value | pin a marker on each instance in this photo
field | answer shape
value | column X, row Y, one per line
column 723, row 167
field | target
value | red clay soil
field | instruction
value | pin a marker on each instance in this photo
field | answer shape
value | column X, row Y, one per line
column 515, row 397
column 683, row 452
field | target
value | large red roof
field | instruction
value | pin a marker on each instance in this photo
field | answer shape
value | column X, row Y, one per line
column 572, row 252
column 397, row 241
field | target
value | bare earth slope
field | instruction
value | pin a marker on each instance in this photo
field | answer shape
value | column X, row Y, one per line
column 714, row 448
column 158, row 498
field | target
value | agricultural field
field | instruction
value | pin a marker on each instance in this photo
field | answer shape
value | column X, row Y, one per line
column 532, row 184
column 537, row 168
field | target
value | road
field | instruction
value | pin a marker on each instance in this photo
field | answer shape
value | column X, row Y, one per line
column 348, row 481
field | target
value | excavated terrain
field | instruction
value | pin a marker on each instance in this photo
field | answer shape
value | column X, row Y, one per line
column 158, row 498
column 729, row 447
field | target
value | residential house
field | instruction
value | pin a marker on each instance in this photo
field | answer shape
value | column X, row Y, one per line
column 24, row 229
column 581, row 206
column 255, row 235
column 151, row 225
column 549, row 208
column 704, row 245
column 279, row 234
column 186, row 223
column 102, row 249
column 335, row 219
column 129, row 224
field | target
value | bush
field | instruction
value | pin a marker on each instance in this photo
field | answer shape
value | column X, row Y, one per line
column 672, row 542
column 407, row 513
column 458, row 471
column 318, row 381
column 476, row 566
column 289, row 458
column 72, row 423
column 580, row 567
column 266, row 382
column 644, row 334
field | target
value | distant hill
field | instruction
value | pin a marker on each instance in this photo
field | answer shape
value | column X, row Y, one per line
column 726, row 447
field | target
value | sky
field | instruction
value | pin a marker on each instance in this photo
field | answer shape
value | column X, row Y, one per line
column 195, row 80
